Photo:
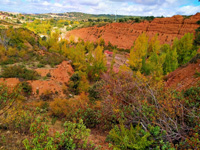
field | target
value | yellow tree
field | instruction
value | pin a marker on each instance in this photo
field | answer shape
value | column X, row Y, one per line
column 97, row 63
column 156, row 62
column 171, row 61
column 154, row 45
column 138, row 52
column 184, row 48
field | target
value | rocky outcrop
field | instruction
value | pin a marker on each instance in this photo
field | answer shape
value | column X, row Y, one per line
column 124, row 34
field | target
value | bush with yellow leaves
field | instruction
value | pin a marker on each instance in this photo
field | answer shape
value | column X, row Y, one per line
column 66, row 107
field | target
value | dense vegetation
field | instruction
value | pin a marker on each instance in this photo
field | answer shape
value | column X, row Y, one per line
column 132, row 104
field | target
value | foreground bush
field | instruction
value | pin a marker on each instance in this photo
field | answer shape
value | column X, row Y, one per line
column 132, row 98
column 8, row 98
column 133, row 138
column 75, row 136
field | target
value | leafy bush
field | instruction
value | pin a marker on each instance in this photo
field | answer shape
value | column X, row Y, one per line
column 91, row 117
column 47, row 95
column 26, row 87
column 75, row 136
column 68, row 107
column 40, row 65
column 40, row 139
column 18, row 120
column 51, row 59
column 74, row 83
column 93, row 92
column 133, row 138
column 19, row 72
column 192, row 96
column 7, row 98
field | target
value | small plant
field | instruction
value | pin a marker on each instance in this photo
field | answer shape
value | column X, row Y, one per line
column 26, row 87
column 40, row 65
column 197, row 74
column 48, row 75
column 37, row 91
column 133, row 138
column 74, row 83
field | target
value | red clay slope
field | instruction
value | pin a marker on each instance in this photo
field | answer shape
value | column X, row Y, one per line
column 124, row 34
column 185, row 76
column 59, row 76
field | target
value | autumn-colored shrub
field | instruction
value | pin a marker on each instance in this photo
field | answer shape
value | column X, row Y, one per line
column 78, row 83
column 47, row 95
column 67, row 108
column 18, row 120
column 130, row 97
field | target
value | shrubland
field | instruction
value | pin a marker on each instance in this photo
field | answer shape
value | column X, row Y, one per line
column 133, row 106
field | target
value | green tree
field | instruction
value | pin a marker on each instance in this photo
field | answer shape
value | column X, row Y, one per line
column 138, row 52
column 156, row 61
column 171, row 61
column 184, row 47
column 96, row 63
column 154, row 45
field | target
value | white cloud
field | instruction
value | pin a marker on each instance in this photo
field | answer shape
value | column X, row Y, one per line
column 185, row 10
column 124, row 7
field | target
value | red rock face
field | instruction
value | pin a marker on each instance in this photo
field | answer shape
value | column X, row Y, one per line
column 124, row 34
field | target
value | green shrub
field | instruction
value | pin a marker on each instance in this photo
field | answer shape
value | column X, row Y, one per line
column 40, row 65
column 19, row 72
column 74, row 83
column 7, row 98
column 40, row 139
column 133, row 138
column 93, row 92
column 192, row 96
column 51, row 59
column 48, row 75
column 75, row 136
column 26, row 87
column 91, row 117
column 21, row 122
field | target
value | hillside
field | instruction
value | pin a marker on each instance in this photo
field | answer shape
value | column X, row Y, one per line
column 63, row 94
column 78, row 16
column 185, row 76
column 124, row 34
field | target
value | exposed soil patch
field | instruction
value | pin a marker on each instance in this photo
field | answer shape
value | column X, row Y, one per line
column 55, row 79
column 184, row 77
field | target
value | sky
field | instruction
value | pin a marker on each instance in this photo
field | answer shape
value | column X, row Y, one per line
column 121, row 7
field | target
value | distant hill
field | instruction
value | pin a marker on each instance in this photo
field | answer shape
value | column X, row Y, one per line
column 78, row 16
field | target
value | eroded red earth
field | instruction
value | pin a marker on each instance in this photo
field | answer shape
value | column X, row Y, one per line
column 124, row 34
column 184, row 77
column 59, row 76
